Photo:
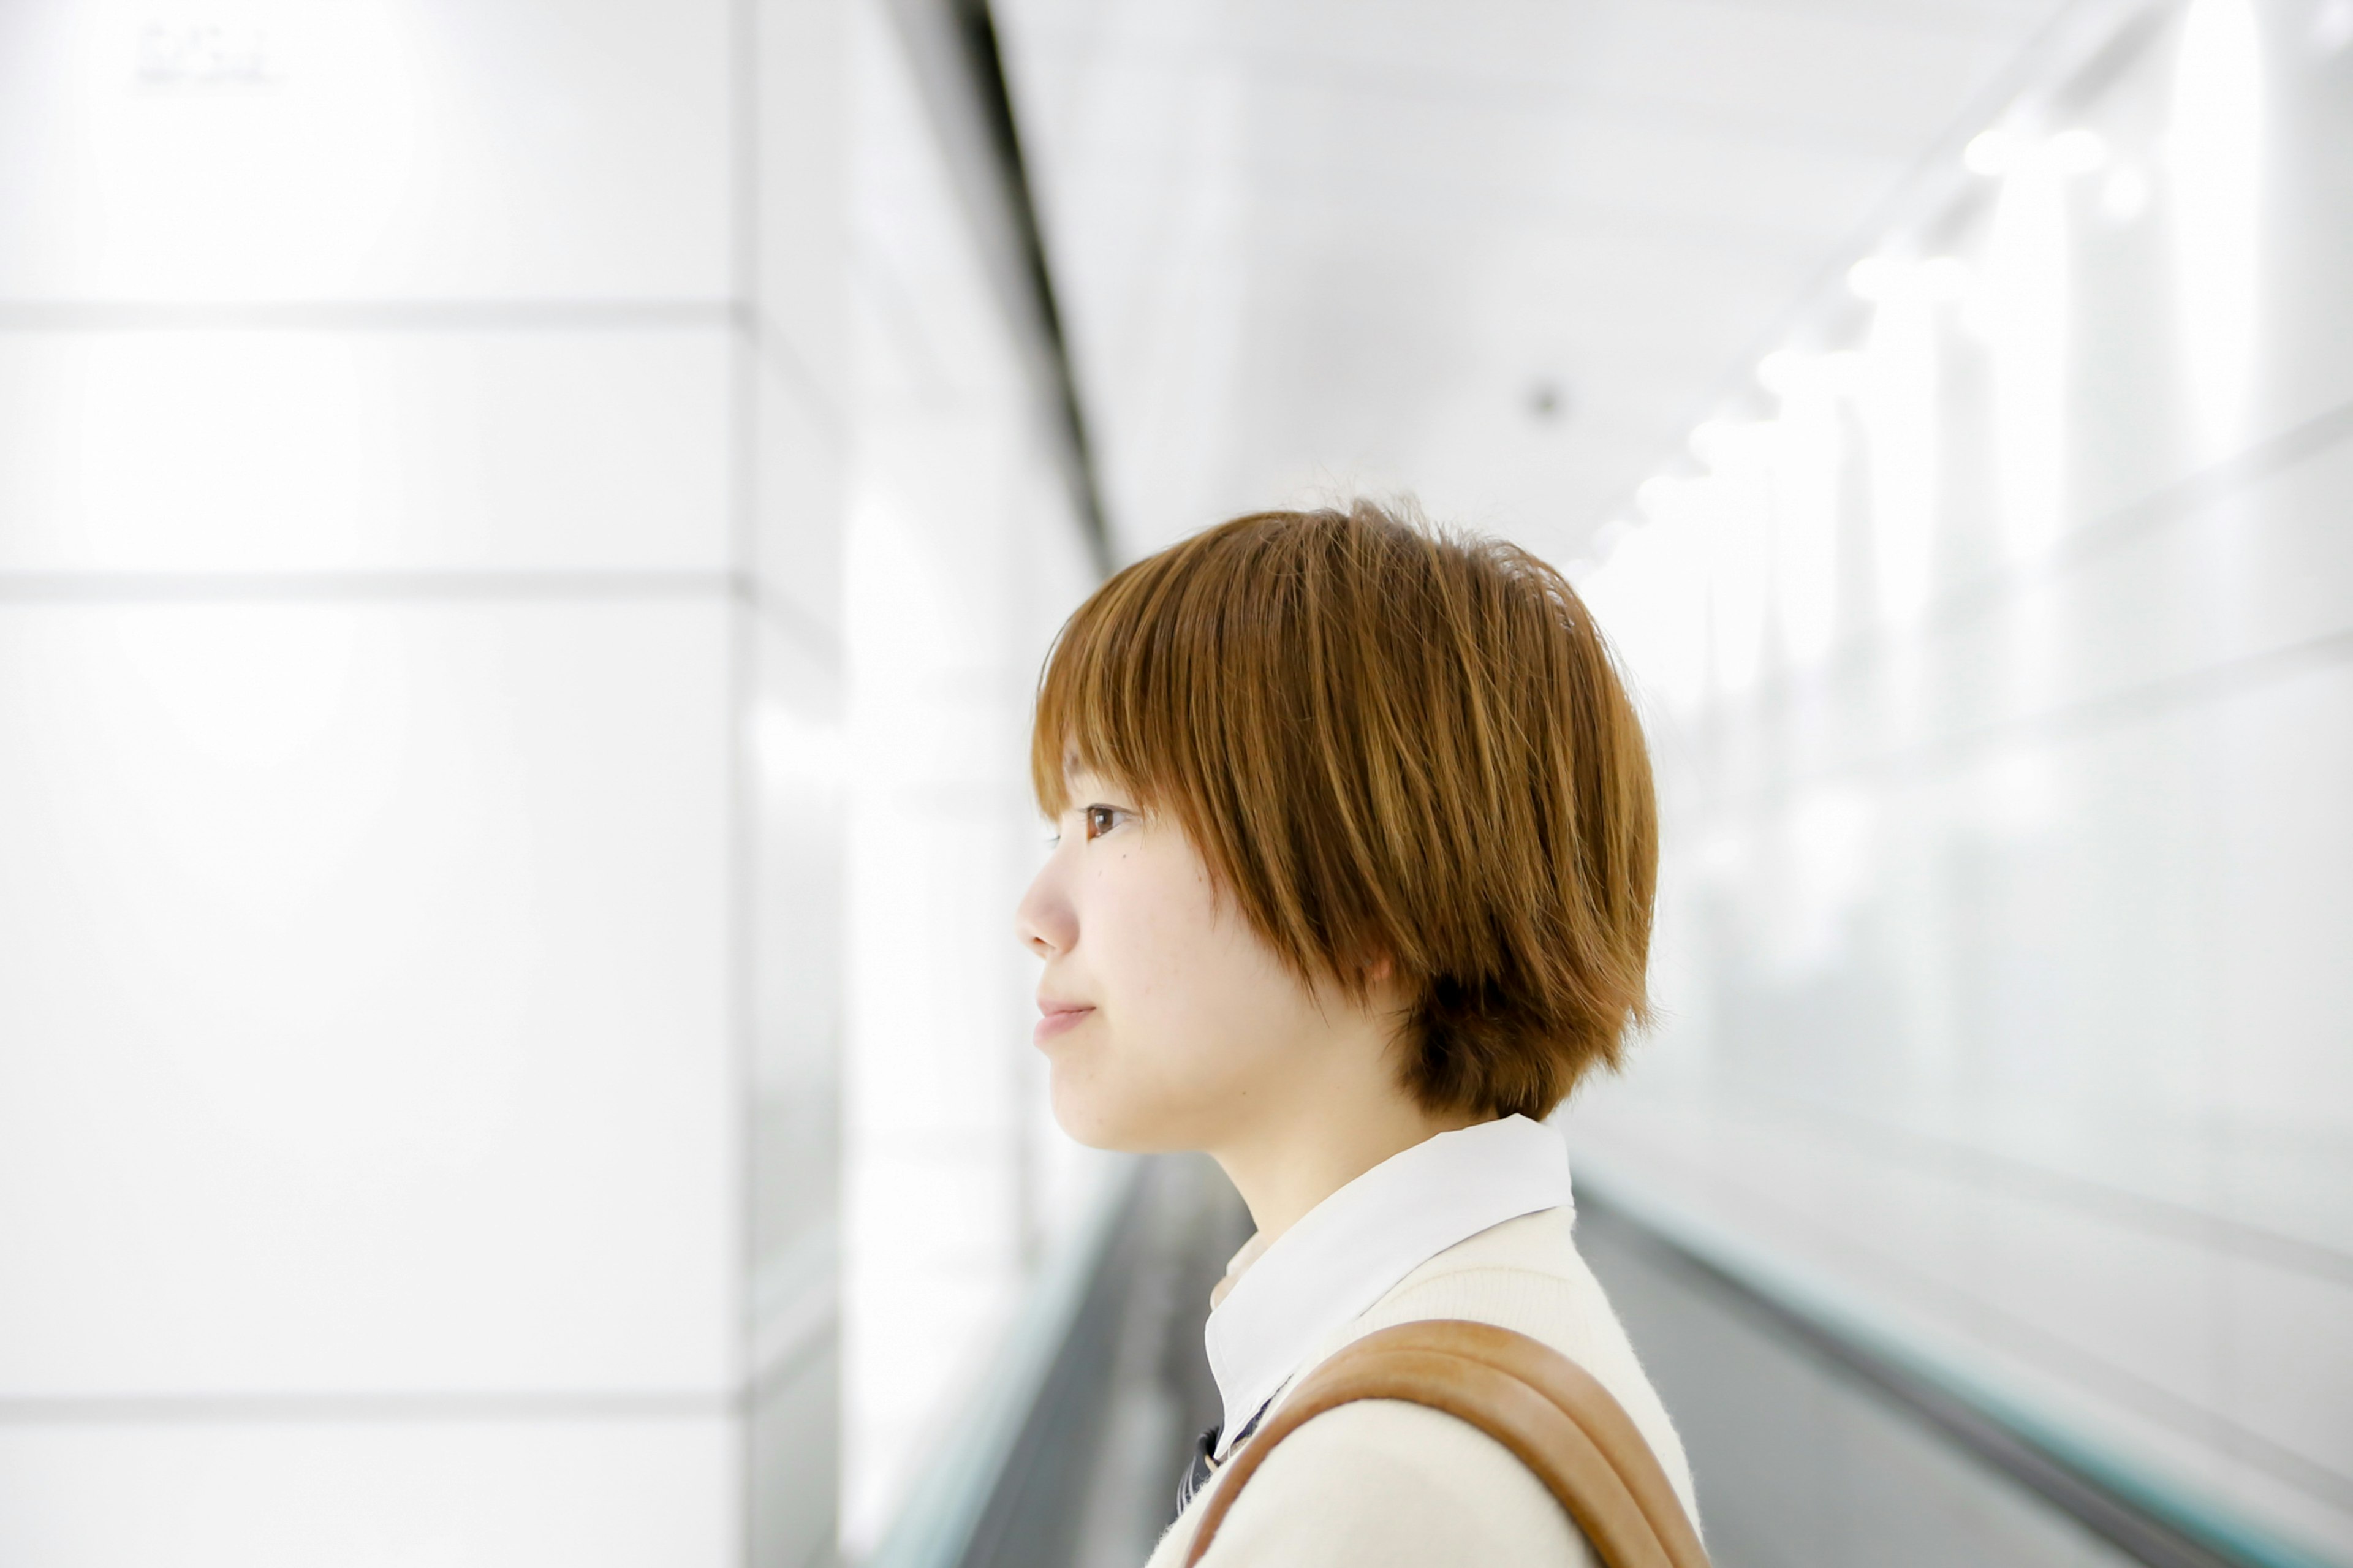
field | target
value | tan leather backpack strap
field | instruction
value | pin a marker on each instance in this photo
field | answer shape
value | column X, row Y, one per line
column 1548, row 1411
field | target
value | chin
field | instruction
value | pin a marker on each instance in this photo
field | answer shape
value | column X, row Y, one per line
column 1102, row 1121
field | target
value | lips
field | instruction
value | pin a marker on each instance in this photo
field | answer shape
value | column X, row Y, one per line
column 1058, row 1018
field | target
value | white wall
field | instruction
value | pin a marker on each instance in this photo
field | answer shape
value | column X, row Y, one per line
column 1999, row 650
column 419, row 709
column 964, row 558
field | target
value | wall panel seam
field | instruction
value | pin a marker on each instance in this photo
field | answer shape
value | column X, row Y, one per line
column 390, row 316
column 2181, row 500
column 437, row 1406
column 2209, row 683
column 2136, row 1211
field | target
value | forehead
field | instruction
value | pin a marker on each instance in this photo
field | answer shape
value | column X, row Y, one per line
column 1084, row 779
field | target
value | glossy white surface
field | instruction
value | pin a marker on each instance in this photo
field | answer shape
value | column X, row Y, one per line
column 343, row 1068
column 795, row 1478
column 421, row 702
column 961, row 560
column 800, row 437
column 522, row 150
column 2001, row 932
column 438, row 450
column 796, row 761
column 799, row 222
column 600, row 1493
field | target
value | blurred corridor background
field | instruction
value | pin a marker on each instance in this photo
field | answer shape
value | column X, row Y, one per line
column 528, row 530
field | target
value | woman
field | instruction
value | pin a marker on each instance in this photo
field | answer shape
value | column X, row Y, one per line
column 1352, row 884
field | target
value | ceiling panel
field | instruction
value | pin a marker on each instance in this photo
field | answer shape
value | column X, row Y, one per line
column 1500, row 252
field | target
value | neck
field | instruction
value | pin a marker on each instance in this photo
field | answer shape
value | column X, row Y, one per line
column 1333, row 1129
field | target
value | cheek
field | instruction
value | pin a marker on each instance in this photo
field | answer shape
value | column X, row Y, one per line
column 1155, row 932
column 1198, row 1004
column 1195, row 1010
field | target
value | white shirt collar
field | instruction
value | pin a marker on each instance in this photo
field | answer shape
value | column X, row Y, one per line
column 1347, row 1251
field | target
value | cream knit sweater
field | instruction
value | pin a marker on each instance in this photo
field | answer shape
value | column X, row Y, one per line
column 1384, row 1485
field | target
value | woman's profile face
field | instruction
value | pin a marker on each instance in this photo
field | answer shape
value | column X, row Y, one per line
column 1169, row 1022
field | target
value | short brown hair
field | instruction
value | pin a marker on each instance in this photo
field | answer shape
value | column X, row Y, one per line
column 1387, row 741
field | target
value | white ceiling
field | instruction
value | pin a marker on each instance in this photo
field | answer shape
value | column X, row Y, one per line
column 1308, row 245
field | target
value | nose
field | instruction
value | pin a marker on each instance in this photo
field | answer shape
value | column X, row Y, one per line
column 1044, row 920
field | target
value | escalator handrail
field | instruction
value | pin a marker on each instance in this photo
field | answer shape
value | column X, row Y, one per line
column 935, row 1526
column 2156, row 1518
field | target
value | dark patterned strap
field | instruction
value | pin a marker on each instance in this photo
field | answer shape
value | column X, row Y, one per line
column 1205, row 1452
column 1548, row 1411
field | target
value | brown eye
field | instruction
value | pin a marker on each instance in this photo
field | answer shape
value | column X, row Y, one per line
column 1100, row 819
